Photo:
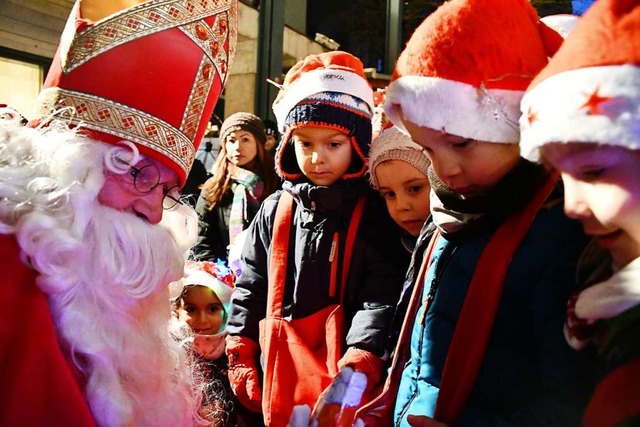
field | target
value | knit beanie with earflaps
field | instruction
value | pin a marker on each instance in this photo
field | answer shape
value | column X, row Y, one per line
column 466, row 67
column 393, row 144
column 243, row 121
column 327, row 90
column 590, row 91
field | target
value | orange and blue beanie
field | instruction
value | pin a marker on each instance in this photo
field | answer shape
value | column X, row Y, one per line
column 327, row 90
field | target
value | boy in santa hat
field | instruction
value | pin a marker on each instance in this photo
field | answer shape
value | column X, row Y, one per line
column 482, row 338
column 319, row 274
column 87, row 193
column 582, row 113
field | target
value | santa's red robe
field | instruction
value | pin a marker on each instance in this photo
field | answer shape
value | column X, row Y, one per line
column 37, row 385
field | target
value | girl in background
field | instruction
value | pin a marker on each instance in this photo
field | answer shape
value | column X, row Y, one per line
column 243, row 176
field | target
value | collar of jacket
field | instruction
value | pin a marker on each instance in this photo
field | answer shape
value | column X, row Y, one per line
column 335, row 201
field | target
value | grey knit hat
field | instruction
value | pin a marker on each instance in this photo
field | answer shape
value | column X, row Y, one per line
column 243, row 121
column 393, row 144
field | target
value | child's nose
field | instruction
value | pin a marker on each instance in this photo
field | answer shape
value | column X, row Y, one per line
column 446, row 169
column 403, row 203
column 315, row 157
column 575, row 205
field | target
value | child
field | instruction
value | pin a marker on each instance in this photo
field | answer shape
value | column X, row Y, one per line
column 338, row 276
column 398, row 170
column 482, row 342
column 203, row 304
column 379, row 121
column 242, row 178
column 582, row 113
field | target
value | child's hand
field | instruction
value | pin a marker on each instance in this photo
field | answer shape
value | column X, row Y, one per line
column 243, row 371
column 423, row 421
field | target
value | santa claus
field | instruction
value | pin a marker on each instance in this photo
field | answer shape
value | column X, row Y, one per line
column 91, row 226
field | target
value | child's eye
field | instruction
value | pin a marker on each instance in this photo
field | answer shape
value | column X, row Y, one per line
column 591, row 174
column 416, row 188
column 304, row 144
column 190, row 310
column 388, row 195
column 214, row 309
column 462, row 144
column 335, row 144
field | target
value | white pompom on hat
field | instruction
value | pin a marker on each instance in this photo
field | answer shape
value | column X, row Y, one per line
column 466, row 67
column 394, row 144
column 562, row 23
column 590, row 91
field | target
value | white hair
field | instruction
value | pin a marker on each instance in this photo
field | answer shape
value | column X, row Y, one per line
column 105, row 273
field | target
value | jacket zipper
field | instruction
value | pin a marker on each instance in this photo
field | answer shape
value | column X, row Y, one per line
column 440, row 267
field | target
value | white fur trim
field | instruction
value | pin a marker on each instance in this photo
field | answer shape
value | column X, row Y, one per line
column 558, row 101
column 562, row 23
column 456, row 108
column 612, row 297
column 202, row 278
column 321, row 80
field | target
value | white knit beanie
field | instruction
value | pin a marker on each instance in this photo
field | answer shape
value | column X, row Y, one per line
column 393, row 144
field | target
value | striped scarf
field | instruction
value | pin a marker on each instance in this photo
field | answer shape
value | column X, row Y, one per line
column 247, row 190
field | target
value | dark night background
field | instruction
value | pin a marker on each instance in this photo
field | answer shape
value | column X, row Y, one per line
column 359, row 25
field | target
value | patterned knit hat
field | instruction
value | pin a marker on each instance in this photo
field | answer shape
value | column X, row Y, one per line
column 326, row 90
column 394, row 144
column 590, row 91
column 150, row 73
column 243, row 121
column 466, row 67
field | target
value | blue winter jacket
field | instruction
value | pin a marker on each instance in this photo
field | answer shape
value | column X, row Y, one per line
column 529, row 375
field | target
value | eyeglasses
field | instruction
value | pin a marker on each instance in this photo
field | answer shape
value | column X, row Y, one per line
column 147, row 178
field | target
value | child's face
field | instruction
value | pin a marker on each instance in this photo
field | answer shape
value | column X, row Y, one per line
column 323, row 154
column 406, row 191
column 201, row 309
column 602, row 189
column 467, row 166
column 242, row 147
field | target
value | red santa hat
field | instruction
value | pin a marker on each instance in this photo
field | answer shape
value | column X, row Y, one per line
column 150, row 74
column 590, row 91
column 466, row 67
column 325, row 90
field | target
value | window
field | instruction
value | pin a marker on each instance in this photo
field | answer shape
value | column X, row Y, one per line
column 20, row 83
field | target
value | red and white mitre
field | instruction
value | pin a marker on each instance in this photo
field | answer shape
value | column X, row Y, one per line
column 150, row 74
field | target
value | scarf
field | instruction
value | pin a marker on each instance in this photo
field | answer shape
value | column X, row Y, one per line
column 247, row 190
column 607, row 299
column 211, row 347
column 452, row 213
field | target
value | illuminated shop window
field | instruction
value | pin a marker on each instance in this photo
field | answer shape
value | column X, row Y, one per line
column 20, row 83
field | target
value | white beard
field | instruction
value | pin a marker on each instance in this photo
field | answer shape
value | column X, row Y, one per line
column 106, row 274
